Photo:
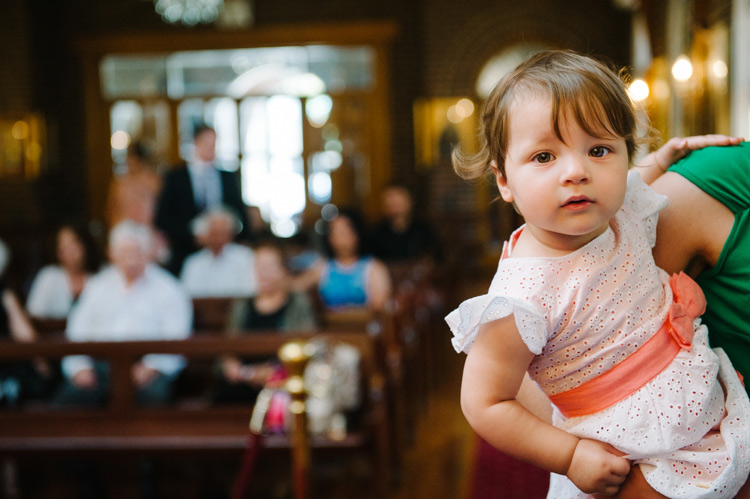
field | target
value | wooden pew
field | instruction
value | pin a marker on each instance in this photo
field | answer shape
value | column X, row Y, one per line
column 48, row 327
column 186, row 425
column 211, row 314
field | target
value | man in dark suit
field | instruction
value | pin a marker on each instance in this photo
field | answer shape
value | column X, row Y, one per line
column 192, row 188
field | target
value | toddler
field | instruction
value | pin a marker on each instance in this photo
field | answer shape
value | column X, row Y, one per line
column 578, row 302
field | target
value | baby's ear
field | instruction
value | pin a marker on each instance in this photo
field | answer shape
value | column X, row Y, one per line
column 502, row 183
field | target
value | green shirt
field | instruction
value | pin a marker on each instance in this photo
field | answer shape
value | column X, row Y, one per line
column 724, row 174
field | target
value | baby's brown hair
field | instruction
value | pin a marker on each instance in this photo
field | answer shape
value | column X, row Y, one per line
column 592, row 93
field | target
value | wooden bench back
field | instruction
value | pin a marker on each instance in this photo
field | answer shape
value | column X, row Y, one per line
column 121, row 417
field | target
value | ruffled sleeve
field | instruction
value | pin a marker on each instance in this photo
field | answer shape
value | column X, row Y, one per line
column 644, row 203
column 464, row 322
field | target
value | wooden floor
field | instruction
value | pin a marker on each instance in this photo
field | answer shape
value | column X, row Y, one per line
column 438, row 463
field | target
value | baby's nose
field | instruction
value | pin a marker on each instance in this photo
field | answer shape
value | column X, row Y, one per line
column 574, row 170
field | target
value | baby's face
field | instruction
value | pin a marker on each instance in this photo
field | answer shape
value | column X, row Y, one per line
column 567, row 190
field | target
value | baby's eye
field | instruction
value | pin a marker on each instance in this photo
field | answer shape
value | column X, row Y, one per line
column 600, row 151
column 543, row 157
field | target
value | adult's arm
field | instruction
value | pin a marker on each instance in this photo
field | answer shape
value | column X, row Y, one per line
column 176, row 325
column 378, row 286
column 692, row 228
column 20, row 326
column 657, row 162
column 309, row 278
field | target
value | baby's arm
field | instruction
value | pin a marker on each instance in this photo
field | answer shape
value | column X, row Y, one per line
column 492, row 377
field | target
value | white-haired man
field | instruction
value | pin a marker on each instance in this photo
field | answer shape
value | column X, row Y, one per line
column 133, row 299
column 221, row 268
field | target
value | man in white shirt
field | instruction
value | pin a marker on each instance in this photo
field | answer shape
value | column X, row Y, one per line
column 133, row 299
column 221, row 268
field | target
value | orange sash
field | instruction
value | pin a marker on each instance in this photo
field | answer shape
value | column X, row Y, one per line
column 646, row 362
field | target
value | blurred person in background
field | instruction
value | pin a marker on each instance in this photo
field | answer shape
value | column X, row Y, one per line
column 18, row 380
column 259, row 228
column 221, row 267
column 56, row 287
column 275, row 308
column 191, row 189
column 133, row 194
column 300, row 253
column 133, row 299
column 349, row 276
column 400, row 237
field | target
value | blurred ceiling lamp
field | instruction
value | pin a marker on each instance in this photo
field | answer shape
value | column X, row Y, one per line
column 682, row 69
column 120, row 140
column 720, row 69
column 189, row 12
column 638, row 90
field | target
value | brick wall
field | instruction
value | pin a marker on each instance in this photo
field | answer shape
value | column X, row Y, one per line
column 458, row 39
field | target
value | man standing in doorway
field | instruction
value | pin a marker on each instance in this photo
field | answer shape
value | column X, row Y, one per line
column 192, row 188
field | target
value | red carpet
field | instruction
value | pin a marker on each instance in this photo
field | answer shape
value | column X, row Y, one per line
column 499, row 476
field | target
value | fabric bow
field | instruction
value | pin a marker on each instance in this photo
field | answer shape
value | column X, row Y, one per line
column 689, row 304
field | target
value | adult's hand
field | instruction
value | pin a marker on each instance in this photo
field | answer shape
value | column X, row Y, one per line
column 142, row 374
column 677, row 148
column 84, row 379
column 231, row 368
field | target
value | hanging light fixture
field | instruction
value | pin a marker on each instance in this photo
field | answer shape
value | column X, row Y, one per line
column 189, row 12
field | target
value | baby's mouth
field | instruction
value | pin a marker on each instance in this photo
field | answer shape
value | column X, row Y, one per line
column 577, row 201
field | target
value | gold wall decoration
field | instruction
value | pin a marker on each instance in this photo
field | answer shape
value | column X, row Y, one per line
column 441, row 124
column 22, row 140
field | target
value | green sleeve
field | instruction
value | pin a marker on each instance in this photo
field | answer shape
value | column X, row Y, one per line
column 721, row 172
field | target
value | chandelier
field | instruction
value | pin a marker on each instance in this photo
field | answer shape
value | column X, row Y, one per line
column 189, row 12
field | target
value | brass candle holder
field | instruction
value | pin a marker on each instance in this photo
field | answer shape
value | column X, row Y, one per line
column 295, row 356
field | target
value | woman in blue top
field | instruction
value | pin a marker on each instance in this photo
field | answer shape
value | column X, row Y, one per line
column 349, row 277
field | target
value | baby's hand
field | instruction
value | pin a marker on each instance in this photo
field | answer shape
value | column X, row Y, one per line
column 596, row 468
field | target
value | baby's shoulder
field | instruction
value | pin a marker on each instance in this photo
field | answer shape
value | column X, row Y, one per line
column 641, row 201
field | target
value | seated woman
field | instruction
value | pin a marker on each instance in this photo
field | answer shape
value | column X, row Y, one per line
column 274, row 308
column 56, row 287
column 349, row 277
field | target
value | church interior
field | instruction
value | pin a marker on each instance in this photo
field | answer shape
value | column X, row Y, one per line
column 315, row 107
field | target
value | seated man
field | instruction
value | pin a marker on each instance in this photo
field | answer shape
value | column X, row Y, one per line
column 221, row 268
column 400, row 236
column 133, row 299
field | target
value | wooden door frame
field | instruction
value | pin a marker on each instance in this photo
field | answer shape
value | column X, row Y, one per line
column 377, row 34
